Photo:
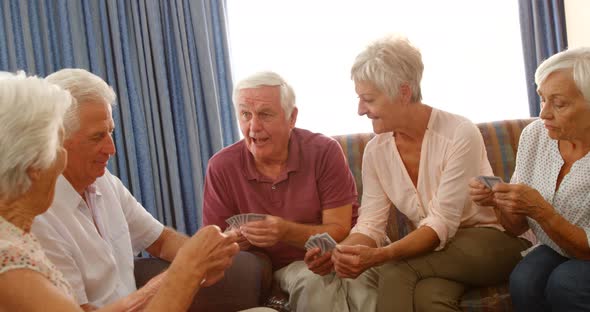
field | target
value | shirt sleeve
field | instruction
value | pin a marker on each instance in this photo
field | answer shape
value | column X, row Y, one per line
column 216, row 207
column 57, row 249
column 375, row 205
column 144, row 229
column 463, row 162
column 336, row 185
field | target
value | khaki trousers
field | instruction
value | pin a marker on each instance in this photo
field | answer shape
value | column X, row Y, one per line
column 310, row 292
column 436, row 281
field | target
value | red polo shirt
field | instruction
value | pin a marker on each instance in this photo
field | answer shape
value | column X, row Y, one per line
column 316, row 178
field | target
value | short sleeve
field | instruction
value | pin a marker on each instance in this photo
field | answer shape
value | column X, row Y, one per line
column 144, row 229
column 336, row 185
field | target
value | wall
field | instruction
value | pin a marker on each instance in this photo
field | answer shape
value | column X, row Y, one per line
column 577, row 22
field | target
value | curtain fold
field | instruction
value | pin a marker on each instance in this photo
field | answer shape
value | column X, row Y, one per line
column 168, row 62
column 542, row 25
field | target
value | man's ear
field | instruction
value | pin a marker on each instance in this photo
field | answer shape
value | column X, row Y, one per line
column 293, row 118
column 34, row 173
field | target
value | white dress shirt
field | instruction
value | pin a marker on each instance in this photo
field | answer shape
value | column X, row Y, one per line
column 98, row 264
column 452, row 152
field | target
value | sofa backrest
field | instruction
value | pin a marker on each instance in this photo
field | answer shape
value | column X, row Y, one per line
column 501, row 141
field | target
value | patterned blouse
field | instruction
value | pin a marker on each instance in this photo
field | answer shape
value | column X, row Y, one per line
column 20, row 250
column 538, row 163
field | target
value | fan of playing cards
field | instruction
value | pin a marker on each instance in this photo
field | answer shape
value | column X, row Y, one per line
column 324, row 241
column 241, row 219
column 489, row 181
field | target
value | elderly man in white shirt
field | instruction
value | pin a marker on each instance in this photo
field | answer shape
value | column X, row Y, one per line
column 95, row 226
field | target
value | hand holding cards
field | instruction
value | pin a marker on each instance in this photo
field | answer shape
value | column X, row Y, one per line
column 324, row 241
column 490, row 181
column 241, row 219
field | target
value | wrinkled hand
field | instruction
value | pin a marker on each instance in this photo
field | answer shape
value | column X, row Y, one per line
column 265, row 233
column 242, row 241
column 352, row 261
column 521, row 199
column 318, row 264
column 480, row 194
column 211, row 251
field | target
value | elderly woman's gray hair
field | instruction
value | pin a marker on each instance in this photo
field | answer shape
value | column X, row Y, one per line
column 388, row 63
column 31, row 114
column 86, row 88
column 577, row 60
column 268, row 78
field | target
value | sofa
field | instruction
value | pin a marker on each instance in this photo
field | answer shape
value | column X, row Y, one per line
column 501, row 141
column 256, row 286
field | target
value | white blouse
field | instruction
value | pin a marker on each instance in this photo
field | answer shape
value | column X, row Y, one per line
column 538, row 163
column 452, row 152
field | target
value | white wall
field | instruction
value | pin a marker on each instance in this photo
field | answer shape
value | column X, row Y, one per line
column 577, row 22
column 475, row 71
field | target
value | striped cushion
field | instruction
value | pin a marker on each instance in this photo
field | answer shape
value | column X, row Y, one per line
column 501, row 141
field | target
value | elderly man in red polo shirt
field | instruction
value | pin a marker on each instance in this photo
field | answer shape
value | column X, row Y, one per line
column 298, row 179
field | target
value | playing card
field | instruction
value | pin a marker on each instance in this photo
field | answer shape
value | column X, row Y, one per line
column 489, row 181
column 493, row 181
column 324, row 241
column 329, row 242
column 310, row 243
column 232, row 221
column 255, row 217
column 236, row 221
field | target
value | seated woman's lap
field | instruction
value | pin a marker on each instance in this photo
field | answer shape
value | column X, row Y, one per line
column 545, row 280
column 475, row 256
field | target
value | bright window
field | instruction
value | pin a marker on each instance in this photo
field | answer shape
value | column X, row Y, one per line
column 472, row 53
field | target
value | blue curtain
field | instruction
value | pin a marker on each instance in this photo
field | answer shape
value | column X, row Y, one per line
column 168, row 62
column 542, row 24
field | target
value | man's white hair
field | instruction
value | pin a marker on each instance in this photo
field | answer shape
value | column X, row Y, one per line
column 271, row 79
column 577, row 60
column 31, row 114
column 388, row 63
column 86, row 88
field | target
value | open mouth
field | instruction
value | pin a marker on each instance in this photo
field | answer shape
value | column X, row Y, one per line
column 259, row 141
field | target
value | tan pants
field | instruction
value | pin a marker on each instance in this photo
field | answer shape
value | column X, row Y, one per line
column 436, row 281
column 310, row 292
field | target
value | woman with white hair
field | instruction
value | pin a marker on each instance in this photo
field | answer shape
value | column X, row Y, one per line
column 32, row 157
column 421, row 161
column 550, row 191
